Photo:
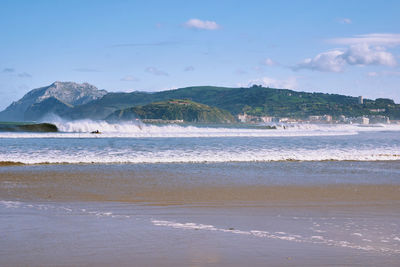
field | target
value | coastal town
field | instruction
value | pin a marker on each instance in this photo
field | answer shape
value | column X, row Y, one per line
column 323, row 119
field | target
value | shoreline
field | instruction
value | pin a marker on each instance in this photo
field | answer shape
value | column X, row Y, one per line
column 19, row 163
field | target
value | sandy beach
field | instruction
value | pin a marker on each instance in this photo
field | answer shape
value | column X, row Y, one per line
column 138, row 215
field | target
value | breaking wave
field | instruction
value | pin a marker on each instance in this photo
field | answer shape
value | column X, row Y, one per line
column 137, row 129
column 135, row 142
column 130, row 155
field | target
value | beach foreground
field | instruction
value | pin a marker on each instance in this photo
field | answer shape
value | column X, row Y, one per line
column 229, row 214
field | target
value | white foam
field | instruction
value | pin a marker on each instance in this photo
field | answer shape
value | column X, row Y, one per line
column 189, row 155
column 57, row 208
column 233, row 152
column 277, row 235
column 83, row 129
column 10, row 204
column 356, row 234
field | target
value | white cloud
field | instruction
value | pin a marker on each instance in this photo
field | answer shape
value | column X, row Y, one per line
column 372, row 74
column 335, row 60
column 201, row 24
column 129, row 78
column 330, row 61
column 362, row 54
column 386, row 39
column 269, row 62
column 155, row 71
column 345, row 21
column 290, row 83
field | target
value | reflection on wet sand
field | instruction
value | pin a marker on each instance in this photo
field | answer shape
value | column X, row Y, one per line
column 310, row 214
column 84, row 183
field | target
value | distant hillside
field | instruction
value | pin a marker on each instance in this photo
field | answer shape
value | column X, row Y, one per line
column 50, row 105
column 38, row 102
column 80, row 101
column 176, row 109
column 255, row 100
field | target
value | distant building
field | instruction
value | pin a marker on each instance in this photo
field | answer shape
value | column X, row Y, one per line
column 360, row 100
column 267, row 119
column 377, row 110
column 320, row 119
column 360, row 120
column 314, row 118
column 243, row 117
column 379, row 119
column 327, row 118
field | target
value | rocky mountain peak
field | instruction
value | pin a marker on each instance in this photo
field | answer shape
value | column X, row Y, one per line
column 69, row 93
column 72, row 93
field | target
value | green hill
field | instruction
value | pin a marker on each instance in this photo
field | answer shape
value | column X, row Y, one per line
column 176, row 109
column 255, row 100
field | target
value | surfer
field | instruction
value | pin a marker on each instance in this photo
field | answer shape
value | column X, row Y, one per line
column 96, row 132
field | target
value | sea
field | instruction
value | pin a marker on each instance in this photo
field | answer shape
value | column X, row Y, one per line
column 200, row 195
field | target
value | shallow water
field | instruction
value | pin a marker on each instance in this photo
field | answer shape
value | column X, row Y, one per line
column 173, row 196
column 103, row 234
column 169, row 144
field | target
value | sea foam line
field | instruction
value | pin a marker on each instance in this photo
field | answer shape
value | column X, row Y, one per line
column 83, row 129
column 274, row 235
column 130, row 156
column 278, row 235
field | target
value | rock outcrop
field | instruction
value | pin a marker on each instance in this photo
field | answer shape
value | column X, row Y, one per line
column 57, row 96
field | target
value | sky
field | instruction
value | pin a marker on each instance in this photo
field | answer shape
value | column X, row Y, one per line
column 342, row 47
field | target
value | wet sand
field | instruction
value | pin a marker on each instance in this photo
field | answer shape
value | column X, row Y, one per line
column 179, row 184
column 200, row 215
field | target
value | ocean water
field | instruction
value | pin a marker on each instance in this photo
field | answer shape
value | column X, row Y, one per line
column 147, row 195
column 134, row 143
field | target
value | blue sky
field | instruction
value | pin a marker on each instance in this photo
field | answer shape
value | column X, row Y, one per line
column 344, row 47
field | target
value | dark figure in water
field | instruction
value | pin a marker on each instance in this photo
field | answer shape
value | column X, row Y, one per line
column 96, row 132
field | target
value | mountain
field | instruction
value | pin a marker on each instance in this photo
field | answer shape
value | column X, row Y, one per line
column 84, row 101
column 255, row 100
column 42, row 100
column 175, row 109
column 50, row 105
